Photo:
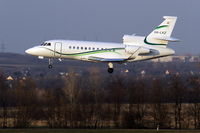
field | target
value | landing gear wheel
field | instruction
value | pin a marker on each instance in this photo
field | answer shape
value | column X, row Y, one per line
column 110, row 67
column 50, row 66
column 110, row 70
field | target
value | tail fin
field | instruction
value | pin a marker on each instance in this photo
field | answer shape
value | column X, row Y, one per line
column 162, row 34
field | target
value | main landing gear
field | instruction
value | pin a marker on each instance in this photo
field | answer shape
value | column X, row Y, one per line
column 50, row 66
column 110, row 67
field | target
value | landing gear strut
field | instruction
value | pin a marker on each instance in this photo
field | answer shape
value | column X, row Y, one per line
column 110, row 67
column 50, row 66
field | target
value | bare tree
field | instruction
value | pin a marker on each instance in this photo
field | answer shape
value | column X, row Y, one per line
column 194, row 108
column 71, row 93
column 3, row 101
column 159, row 108
column 177, row 93
column 140, row 108
column 96, row 88
column 136, row 95
column 116, row 95
column 25, row 103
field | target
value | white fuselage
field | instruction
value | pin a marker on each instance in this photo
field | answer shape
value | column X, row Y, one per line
column 98, row 51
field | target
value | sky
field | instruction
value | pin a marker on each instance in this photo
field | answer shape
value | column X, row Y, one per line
column 26, row 23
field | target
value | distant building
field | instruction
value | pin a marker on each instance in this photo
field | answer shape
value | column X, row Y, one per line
column 9, row 78
column 195, row 59
column 167, row 72
column 143, row 72
column 178, row 59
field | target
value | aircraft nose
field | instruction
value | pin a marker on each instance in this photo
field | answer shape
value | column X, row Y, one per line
column 38, row 51
column 32, row 51
column 28, row 51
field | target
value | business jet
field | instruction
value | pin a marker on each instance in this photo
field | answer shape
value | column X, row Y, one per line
column 134, row 48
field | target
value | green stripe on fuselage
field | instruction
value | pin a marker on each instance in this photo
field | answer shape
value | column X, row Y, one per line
column 88, row 52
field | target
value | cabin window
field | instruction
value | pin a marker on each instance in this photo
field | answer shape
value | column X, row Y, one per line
column 70, row 47
column 97, row 48
column 89, row 48
column 82, row 48
column 101, row 48
column 74, row 47
column 85, row 48
column 77, row 47
column 93, row 48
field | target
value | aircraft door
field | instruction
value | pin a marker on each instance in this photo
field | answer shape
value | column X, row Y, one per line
column 58, row 50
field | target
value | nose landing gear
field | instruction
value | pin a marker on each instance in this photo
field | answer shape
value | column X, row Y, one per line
column 50, row 66
column 110, row 67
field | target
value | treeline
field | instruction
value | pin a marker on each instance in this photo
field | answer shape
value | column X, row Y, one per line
column 98, row 101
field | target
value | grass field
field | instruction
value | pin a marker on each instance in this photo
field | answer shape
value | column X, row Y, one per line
column 93, row 131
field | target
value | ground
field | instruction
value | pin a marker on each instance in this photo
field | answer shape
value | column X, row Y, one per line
column 93, row 131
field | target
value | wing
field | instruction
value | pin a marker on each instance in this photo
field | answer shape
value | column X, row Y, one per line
column 92, row 58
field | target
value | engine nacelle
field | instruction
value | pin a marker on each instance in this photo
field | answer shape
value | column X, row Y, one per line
column 144, row 51
column 136, row 49
column 132, row 39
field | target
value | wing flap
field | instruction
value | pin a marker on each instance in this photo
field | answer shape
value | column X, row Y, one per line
column 106, row 59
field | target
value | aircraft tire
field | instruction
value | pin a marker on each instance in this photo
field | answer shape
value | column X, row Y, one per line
column 110, row 70
column 50, row 66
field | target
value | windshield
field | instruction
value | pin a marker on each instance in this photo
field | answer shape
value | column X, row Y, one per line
column 46, row 44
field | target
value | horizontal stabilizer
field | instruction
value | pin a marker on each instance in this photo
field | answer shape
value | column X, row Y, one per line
column 170, row 39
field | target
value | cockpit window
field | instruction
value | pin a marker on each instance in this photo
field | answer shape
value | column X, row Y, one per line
column 46, row 44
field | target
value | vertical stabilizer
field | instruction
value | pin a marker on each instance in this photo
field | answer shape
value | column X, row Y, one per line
column 162, row 33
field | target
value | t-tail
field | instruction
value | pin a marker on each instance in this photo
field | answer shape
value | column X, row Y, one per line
column 161, row 35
